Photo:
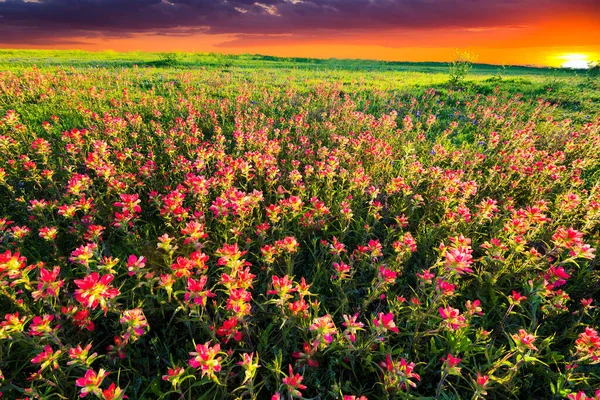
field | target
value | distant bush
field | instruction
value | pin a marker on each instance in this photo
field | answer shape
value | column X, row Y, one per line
column 168, row 59
column 593, row 73
column 460, row 67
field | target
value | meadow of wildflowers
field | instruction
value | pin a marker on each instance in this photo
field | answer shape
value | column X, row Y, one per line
column 207, row 234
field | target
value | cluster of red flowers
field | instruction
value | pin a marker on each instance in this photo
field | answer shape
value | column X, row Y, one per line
column 300, row 240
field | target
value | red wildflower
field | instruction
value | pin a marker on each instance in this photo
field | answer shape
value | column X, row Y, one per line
column 587, row 345
column 445, row 288
column 113, row 393
column 524, row 340
column 135, row 321
column 385, row 322
column 48, row 357
column 90, row 383
column 135, row 263
column 196, row 292
column 325, row 329
column 282, row 287
column 11, row 264
column 83, row 254
column 399, row 374
column 450, row 361
column 386, row 276
column 352, row 326
column 205, row 358
column 40, row 326
column 230, row 330
column 481, row 383
column 79, row 355
column 582, row 396
column 298, row 308
column 294, row 383
column 48, row 285
column 452, row 318
column 94, row 291
column 459, row 260
column 307, row 355
column 516, row 298
column 174, row 375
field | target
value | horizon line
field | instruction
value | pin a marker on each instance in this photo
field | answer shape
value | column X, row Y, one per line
column 207, row 53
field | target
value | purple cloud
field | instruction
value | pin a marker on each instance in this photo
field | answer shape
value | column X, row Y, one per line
column 47, row 20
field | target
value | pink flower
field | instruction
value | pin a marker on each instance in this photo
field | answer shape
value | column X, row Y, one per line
column 307, row 355
column 426, row 276
column 81, row 355
column 11, row 264
column 387, row 276
column 299, row 308
column 582, row 396
column 294, row 383
column 130, row 203
column 288, row 244
column 90, row 383
column 40, row 326
column 473, row 307
column 205, row 358
column 48, row 233
column 352, row 327
column 557, row 276
column 452, row 318
column 459, row 259
column 136, row 322
column 385, row 322
column 587, row 303
column 399, row 374
column 230, row 330
column 135, row 263
column 194, row 231
column 48, row 284
column 445, row 288
column 94, row 291
column 113, row 393
column 282, row 287
column 182, row 267
column 46, row 358
column 374, row 248
column 452, row 361
column 325, row 329
column 524, row 340
column 482, row 380
column 587, row 344
column 83, row 254
column 516, row 297
column 196, row 292
column 174, row 375
column 342, row 270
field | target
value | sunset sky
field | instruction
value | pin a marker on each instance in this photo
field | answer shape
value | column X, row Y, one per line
column 539, row 32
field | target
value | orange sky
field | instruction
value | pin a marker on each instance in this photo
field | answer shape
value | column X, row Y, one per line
column 538, row 40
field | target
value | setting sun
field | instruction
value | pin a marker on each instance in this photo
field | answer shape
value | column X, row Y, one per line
column 575, row 60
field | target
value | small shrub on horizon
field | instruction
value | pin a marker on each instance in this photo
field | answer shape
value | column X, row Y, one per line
column 459, row 68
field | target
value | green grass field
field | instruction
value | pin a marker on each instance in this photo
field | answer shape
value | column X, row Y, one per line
column 79, row 58
column 571, row 90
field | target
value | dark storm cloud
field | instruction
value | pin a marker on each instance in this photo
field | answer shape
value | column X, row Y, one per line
column 47, row 20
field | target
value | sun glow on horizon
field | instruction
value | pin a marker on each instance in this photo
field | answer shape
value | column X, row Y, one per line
column 575, row 60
